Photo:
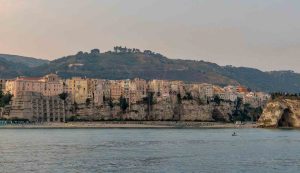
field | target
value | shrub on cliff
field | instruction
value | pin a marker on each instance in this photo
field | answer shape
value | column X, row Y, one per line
column 5, row 98
column 123, row 104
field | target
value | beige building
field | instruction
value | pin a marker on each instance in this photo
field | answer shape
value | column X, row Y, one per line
column 77, row 88
column 95, row 91
column 49, row 85
column 138, row 90
column 160, row 87
column 3, row 84
column 206, row 89
column 81, row 89
column 37, row 107
column 177, row 87
column 106, row 88
column 116, row 90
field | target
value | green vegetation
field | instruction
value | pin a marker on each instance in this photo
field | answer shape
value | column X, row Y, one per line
column 63, row 96
column 217, row 99
column 110, row 103
column 179, row 99
column 5, row 98
column 281, row 95
column 188, row 96
column 123, row 104
column 88, row 101
column 27, row 61
column 245, row 112
column 149, row 100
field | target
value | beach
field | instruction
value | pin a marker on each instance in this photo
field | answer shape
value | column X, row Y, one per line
column 128, row 124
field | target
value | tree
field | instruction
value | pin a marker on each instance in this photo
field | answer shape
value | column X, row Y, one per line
column 80, row 53
column 179, row 99
column 88, row 101
column 95, row 52
column 149, row 99
column 123, row 103
column 188, row 96
column 63, row 96
column 115, row 49
column 5, row 98
column 243, row 112
column 110, row 103
column 238, row 103
column 76, row 106
column 217, row 100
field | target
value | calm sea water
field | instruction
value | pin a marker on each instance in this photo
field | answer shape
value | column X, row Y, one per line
column 149, row 150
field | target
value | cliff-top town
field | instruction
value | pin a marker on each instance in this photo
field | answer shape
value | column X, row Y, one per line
column 50, row 98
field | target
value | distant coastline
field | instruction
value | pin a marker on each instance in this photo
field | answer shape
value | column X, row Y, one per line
column 128, row 125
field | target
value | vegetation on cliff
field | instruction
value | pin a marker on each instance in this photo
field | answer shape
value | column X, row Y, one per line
column 283, row 95
column 173, row 108
column 5, row 98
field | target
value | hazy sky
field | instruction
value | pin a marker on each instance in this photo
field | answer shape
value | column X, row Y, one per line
column 255, row 33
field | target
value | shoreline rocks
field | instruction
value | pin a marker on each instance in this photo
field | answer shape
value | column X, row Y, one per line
column 281, row 113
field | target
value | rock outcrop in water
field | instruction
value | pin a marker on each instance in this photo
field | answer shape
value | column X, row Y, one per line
column 281, row 113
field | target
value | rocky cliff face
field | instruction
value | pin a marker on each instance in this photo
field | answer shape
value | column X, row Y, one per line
column 281, row 113
column 165, row 110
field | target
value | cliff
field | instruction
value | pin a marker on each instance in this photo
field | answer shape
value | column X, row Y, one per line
column 281, row 113
column 165, row 110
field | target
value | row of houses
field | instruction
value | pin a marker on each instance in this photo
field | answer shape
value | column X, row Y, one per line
column 97, row 90
column 38, row 95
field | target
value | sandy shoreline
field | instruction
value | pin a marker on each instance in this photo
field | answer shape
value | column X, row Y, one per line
column 127, row 124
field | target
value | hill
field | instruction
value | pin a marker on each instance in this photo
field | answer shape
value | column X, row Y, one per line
column 123, row 63
column 28, row 61
column 127, row 65
column 10, row 69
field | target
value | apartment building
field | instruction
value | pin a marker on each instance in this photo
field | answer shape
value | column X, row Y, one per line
column 36, row 107
column 3, row 84
column 49, row 85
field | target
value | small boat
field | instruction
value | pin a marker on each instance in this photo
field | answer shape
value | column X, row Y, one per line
column 234, row 134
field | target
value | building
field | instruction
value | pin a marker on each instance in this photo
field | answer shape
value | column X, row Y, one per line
column 116, row 90
column 241, row 89
column 177, row 87
column 3, row 84
column 82, row 89
column 138, row 89
column 206, row 90
column 49, row 85
column 160, row 87
column 105, row 88
column 36, row 107
column 95, row 91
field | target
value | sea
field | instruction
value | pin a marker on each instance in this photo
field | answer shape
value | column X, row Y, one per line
column 149, row 150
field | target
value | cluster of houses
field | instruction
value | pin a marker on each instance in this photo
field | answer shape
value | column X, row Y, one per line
column 42, row 97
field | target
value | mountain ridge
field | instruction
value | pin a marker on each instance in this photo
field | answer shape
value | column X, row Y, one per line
column 28, row 61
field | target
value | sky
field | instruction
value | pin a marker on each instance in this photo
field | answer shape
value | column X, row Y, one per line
column 261, row 34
